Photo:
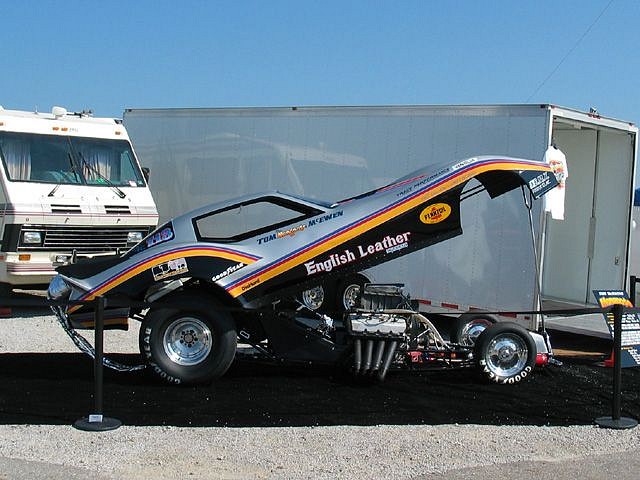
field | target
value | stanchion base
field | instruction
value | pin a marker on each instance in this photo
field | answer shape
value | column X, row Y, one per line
column 101, row 425
column 622, row 423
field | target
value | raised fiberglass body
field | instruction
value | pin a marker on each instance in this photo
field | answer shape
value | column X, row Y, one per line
column 249, row 252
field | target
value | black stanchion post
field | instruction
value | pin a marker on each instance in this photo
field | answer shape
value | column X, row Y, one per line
column 615, row 420
column 96, row 422
column 632, row 289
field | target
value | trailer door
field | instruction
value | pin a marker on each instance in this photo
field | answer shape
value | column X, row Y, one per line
column 588, row 249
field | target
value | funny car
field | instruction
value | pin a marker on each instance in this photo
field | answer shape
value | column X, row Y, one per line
column 223, row 274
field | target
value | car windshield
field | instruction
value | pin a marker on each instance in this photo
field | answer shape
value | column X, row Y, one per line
column 59, row 159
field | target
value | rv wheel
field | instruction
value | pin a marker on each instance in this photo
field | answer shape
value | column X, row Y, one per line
column 505, row 353
column 191, row 345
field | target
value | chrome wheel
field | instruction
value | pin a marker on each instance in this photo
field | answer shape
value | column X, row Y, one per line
column 506, row 355
column 187, row 341
column 472, row 330
column 313, row 297
column 350, row 296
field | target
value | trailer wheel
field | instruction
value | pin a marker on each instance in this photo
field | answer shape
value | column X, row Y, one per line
column 505, row 353
column 468, row 327
column 319, row 298
column 349, row 290
column 191, row 345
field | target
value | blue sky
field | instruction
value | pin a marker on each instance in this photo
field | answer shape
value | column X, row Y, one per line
column 108, row 56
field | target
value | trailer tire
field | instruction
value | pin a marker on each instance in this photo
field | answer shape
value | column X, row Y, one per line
column 468, row 327
column 505, row 353
column 318, row 298
column 191, row 345
column 349, row 290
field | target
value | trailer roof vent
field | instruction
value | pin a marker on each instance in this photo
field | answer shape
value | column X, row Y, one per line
column 117, row 209
column 58, row 112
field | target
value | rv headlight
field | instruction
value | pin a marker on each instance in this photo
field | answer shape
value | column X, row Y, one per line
column 134, row 237
column 31, row 238
column 58, row 289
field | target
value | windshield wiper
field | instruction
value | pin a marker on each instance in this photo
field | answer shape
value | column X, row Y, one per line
column 75, row 174
column 120, row 193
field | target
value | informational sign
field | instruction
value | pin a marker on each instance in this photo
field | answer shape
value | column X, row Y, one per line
column 630, row 341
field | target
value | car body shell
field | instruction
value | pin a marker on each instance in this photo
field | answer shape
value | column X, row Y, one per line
column 315, row 242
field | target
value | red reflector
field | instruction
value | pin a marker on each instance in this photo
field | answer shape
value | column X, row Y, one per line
column 425, row 302
column 450, row 305
column 508, row 314
column 415, row 357
column 542, row 359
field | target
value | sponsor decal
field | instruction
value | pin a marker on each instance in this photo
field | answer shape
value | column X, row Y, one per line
column 169, row 269
column 463, row 163
column 435, row 213
column 250, row 285
column 416, row 186
column 293, row 230
column 540, row 182
column 404, row 192
column 389, row 244
column 228, row 271
column 163, row 235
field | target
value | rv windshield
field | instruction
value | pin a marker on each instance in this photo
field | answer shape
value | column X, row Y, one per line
column 29, row 157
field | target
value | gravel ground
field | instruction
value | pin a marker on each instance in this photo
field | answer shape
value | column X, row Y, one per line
column 407, row 451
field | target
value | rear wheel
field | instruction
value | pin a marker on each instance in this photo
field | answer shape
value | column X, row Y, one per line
column 194, row 344
column 505, row 353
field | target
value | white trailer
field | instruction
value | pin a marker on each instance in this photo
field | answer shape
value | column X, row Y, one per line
column 70, row 186
column 199, row 156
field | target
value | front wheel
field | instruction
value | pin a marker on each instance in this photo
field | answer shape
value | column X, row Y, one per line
column 505, row 353
column 191, row 345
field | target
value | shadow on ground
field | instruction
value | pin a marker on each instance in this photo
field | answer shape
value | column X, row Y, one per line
column 58, row 389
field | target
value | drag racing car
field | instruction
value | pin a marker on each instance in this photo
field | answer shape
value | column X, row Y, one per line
column 221, row 275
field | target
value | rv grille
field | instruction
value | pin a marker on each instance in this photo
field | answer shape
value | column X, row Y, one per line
column 117, row 209
column 82, row 239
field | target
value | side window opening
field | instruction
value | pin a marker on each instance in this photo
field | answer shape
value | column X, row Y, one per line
column 245, row 220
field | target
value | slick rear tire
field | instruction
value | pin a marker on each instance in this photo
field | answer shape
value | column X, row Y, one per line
column 190, row 345
column 505, row 353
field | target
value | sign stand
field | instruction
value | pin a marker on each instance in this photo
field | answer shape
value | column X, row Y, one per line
column 615, row 421
column 96, row 422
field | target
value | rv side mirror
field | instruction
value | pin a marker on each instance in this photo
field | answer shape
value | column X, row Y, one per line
column 146, row 173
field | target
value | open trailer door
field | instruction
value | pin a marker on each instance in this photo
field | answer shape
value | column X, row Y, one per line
column 589, row 248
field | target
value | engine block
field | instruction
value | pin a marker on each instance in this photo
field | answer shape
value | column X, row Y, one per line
column 376, row 324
